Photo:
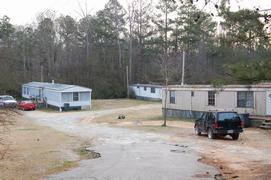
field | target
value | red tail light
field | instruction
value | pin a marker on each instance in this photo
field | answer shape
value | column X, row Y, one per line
column 242, row 124
column 215, row 125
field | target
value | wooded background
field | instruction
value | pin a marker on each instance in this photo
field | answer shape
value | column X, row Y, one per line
column 95, row 50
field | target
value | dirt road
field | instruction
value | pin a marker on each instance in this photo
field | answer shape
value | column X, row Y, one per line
column 125, row 153
column 139, row 148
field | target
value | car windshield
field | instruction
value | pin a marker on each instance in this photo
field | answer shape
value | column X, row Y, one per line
column 227, row 115
column 7, row 98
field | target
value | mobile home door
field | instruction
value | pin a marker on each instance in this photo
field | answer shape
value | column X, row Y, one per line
column 268, row 102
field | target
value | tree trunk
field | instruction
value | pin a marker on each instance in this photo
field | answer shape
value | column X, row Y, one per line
column 119, row 49
column 165, row 65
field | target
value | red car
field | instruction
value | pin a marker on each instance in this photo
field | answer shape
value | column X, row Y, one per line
column 27, row 105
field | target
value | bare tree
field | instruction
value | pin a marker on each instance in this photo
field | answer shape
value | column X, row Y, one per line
column 115, row 13
column 46, row 42
column 131, row 13
column 166, row 7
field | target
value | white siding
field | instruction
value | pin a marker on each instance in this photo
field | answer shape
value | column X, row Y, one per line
column 84, row 99
column 84, row 96
column 30, row 92
column 227, row 100
column 140, row 92
column 198, row 102
column 268, row 103
column 52, row 97
column 224, row 100
column 66, row 97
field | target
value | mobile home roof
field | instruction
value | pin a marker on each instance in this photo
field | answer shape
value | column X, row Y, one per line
column 57, row 87
column 147, row 85
column 254, row 87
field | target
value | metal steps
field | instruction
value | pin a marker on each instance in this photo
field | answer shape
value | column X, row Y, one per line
column 266, row 124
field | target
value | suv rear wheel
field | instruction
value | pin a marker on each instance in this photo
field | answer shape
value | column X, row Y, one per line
column 210, row 133
column 235, row 136
column 197, row 131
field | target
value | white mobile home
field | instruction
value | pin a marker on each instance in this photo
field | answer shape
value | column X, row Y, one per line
column 192, row 100
column 147, row 91
column 58, row 95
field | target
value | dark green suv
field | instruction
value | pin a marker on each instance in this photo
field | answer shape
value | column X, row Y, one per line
column 220, row 123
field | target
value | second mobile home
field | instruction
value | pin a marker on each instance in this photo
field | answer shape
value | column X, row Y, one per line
column 192, row 100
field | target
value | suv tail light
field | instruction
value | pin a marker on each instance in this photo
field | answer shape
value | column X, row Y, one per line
column 215, row 125
column 242, row 124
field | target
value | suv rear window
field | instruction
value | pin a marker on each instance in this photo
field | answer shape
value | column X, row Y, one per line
column 227, row 115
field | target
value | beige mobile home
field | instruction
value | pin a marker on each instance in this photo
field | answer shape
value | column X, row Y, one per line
column 191, row 100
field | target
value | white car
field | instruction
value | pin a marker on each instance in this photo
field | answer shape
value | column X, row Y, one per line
column 7, row 101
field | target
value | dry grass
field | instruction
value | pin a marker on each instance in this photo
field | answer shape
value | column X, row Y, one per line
column 36, row 151
column 131, row 116
column 149, row 120
column 100, row 104
column 7, row 119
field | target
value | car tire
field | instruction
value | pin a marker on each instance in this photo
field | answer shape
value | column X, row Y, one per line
column 210, row 133
column 235, row 136
column 197, row 131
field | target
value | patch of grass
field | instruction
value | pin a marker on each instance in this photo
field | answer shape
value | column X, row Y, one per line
column 155, row 118
column 69, row 164
column 104, row 104
column 180, row 119
column 48, row 110
column 64, row 166
column 84, row 153
column 55, row 110
column 130, row 116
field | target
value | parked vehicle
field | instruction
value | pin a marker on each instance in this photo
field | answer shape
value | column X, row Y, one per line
column 219, row 123
column 27, row 105
column 7, row 101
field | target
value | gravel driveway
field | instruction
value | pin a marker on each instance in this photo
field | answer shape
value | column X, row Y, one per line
column 125, row 154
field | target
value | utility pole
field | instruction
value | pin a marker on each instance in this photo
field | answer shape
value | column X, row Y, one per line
column 183, row 64
column 127, row 81
column 131, row 12
column 41, row 73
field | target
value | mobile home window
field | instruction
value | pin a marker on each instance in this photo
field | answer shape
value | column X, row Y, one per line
column 172, row 97
column 152, row 90
column 75, row 96
column 211, row 98
column 245, row 99
column 145, row 88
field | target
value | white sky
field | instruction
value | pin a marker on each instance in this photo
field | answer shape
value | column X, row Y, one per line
column 24, row 12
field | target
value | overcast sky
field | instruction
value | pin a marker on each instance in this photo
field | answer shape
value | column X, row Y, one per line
column 24, row 12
